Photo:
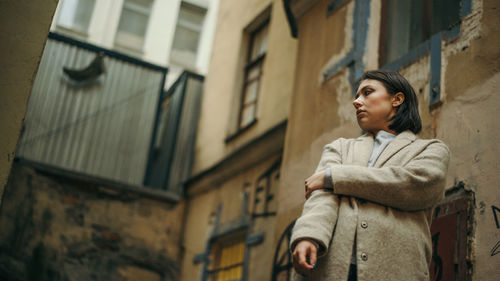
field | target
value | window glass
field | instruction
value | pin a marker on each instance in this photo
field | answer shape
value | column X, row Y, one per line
column 187, row 34
column 133, row 23
column 76, row 14
column 247, row 115
column 408, row 23
column 253, row 73
column 446, row 14
column 251, row 92
column 259, row 44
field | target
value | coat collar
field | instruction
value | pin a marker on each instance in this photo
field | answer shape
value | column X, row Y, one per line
column 364, row 148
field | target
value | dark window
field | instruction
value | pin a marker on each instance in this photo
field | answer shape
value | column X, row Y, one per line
column 408, row 23
column 253, row 71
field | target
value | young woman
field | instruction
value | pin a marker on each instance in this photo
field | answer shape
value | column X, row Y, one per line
column 369, row 203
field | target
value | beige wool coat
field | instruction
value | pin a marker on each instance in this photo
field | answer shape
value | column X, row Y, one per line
column 387, row 207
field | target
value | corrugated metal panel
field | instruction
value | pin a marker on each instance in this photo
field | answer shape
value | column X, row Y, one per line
column 184, row 150
column 102, row 128
column 174, row 147
column 164, row 149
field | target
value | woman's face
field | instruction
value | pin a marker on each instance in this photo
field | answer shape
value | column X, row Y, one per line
column 374, row 106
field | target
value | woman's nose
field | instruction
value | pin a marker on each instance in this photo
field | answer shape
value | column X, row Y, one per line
column 356, row 103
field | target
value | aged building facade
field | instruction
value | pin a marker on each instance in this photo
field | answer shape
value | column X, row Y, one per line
column 279, row 86
column 94, row 192
column 231, row 197
column 445, row 49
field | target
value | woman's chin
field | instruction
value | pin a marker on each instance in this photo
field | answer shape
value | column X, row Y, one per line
column 363, row 125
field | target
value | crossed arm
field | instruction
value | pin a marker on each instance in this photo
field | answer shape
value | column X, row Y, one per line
column 418, row 185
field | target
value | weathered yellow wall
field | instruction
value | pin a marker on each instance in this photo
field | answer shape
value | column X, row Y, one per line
column 223, row 82
column 468, row 124
column 322, row 111
column 24, row 26
column 201, row 218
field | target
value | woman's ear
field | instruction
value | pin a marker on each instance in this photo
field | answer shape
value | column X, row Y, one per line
column 397, row 99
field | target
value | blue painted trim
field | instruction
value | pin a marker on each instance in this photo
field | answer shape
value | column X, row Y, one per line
column 362, row 15
column 452, row 34
column 334, row 5
column 412, row 56
column 425, row 47
column 466, row 8
column 255, row 239
column 206, row 257
column 420, row 51
column 344, row 62
column 199, row 258
column 354, row 58
column 435, row 83
column 228, row 229
column 107, row 52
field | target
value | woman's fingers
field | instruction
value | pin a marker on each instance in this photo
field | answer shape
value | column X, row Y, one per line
column 304, row 257
column 297, row 264
column 313, row 256
column 310, row 190
column 316, row 181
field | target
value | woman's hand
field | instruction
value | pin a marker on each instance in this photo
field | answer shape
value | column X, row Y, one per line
column 304, row 257
column 316, row 181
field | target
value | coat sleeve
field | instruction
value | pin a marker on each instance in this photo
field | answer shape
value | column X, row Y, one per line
column 418, row 185
column 319, row 214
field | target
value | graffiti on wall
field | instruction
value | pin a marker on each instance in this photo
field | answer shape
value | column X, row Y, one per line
column 282, row 262
column 264, row 204
column 496, row 249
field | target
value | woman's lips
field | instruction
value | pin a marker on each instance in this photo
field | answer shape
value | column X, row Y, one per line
column 359, row 112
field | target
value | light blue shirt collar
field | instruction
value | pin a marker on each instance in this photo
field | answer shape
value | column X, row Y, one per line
column 382, row 139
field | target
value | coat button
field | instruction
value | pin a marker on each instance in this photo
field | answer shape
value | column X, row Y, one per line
column 364, row 224
column 364, row 257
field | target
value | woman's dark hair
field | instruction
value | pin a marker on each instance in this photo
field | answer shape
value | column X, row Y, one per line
column 406, row 117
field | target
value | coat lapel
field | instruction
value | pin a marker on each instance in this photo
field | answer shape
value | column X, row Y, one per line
column 363, row 148
column 402, row 140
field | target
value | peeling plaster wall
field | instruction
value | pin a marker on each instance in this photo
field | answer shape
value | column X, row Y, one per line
column 319, row 112
column 56, row 228
column 24, row 26
column 466, row 121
